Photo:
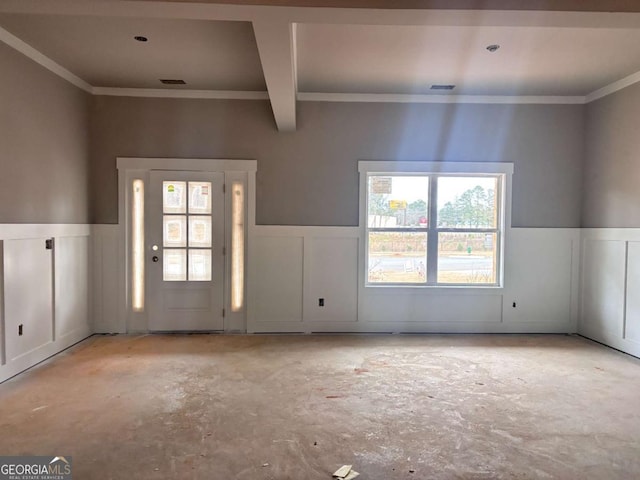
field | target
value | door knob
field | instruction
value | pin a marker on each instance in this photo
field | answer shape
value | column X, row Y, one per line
column 154, row 258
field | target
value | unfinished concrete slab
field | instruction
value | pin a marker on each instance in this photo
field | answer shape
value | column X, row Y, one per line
column 299, row 407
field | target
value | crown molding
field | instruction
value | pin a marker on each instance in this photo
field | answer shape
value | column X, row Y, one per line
column 46, row 62
column 410, row 98
column 613, row 87
column 30, row 52
column 176, row 93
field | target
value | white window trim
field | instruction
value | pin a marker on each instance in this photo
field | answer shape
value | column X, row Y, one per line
column 368, row 167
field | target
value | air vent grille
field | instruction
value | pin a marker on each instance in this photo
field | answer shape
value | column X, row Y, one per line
column 442, row 87
column 171, row 81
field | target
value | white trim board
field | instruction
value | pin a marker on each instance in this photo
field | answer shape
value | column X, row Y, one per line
column 613, row 87
column 179, row 93
column 275, row 41
column 17, row 231
column 385, row 166
column 42, row 354
column 437, row 98
column 621, row 234
column 41, row 59
column 186, row 164
column 374, row 97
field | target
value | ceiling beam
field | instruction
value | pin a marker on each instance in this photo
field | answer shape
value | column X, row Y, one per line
column 553, row 5
column 276, row 46
column 203, row 10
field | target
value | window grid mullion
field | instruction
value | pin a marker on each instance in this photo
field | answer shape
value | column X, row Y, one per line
column 432, row 234
column 467, row 230
column 188, row 184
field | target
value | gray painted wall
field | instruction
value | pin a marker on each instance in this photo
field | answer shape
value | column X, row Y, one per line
column 310, row 177
column 612, row 164
column 44, row 144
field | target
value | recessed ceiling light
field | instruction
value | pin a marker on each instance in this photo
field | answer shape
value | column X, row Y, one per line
column 493, row 48
column 140, row 38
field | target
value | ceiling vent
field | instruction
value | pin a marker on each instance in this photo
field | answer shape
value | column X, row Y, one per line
column 442, row 87
column 170, row 81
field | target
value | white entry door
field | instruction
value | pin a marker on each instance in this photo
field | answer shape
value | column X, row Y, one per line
column 185, row 251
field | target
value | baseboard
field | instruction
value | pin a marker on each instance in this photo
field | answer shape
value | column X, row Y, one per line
column 33, row 358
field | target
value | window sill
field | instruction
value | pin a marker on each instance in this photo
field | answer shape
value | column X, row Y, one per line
column 433, row 289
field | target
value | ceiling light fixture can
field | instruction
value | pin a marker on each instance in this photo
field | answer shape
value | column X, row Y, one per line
column 493, row 48
column 140, row 38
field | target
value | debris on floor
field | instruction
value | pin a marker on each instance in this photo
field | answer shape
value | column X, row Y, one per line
column 345, row 472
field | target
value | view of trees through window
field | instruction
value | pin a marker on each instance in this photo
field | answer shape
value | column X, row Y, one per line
column 475, row 208
column 466, row 229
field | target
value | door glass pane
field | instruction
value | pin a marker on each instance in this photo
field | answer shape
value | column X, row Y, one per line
column 174, row 265
column 199, row 197
column 137, row 246
column 174, row 197
column 398, row 201
column 467, row 202
column 237, row 246
column 174, row 230
column 199, row 231
column 200, row 265
column 467, row 258
column 397, row 257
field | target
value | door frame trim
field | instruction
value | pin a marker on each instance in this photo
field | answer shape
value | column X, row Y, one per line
column 186, row 164
column 139, row 167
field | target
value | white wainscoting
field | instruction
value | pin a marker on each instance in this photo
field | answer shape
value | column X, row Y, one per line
column 44, row 294
column 542, row 271
column 278, row 298
column 610, row 282
column 109, row 284
column 291, row 268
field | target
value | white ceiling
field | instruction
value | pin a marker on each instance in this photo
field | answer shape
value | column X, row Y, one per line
column 292, row 52
column 409, row 59
column 208, row 55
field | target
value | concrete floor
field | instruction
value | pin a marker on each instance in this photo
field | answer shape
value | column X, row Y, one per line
column 298, row 407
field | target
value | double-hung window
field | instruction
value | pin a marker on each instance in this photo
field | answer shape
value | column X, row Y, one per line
column 434, row 223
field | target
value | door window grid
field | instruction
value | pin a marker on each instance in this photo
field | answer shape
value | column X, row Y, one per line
column 187, row 231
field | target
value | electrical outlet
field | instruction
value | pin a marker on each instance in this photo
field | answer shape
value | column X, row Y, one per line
column 20, row 330
column 514, row 304
column 321, row 302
